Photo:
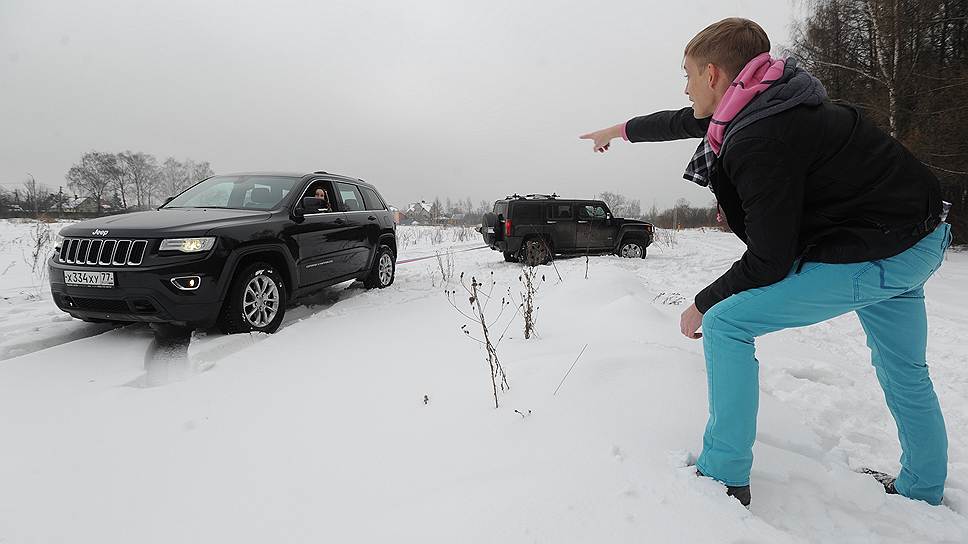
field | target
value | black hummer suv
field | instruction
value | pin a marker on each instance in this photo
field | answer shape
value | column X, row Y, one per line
column 534, row 228
column 231, row 251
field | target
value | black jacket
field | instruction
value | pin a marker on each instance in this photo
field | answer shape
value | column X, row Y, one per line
column 814, row 183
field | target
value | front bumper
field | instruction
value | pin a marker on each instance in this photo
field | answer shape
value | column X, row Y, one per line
column 143, row 293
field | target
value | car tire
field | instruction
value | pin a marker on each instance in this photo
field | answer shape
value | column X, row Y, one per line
column 256, row 301
column 632, row 249
column 384, row 269
column 535, row 251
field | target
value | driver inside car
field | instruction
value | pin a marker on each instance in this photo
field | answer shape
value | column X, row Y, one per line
column 323, row 199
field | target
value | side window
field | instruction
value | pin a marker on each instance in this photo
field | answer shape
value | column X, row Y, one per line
column 322, row 191
column 591, row 211
column 372, row 200
column 527, row 212
column 561, row 212
column 350, row 196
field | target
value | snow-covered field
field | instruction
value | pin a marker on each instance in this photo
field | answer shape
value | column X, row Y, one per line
column 369, row 416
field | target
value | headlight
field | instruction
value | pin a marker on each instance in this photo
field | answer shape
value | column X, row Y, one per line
column 58, row 240
column 188, row 245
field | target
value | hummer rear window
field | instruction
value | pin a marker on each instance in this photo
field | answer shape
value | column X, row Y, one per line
column 528, row 212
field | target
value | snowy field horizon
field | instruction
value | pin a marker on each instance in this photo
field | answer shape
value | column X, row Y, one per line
column 369, row 416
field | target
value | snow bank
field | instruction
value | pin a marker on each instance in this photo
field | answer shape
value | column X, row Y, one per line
column 368, row 417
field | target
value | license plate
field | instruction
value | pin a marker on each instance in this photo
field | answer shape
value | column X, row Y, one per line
column 89, row 279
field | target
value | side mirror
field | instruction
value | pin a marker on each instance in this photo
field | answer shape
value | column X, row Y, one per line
column 308, row 203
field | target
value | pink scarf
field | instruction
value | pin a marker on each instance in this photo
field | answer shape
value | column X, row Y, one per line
column 754, row 78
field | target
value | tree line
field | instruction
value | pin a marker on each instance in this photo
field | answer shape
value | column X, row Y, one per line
column 905, row 63
column 681, row 216
column 124, row 181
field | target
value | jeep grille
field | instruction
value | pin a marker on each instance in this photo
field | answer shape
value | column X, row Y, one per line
column 98, row 252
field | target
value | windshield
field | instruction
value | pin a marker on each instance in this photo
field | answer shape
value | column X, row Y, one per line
column 237, row 192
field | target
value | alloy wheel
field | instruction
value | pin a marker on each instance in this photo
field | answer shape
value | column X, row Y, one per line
column 386, row 269
column 631, row 251
column 260, row 301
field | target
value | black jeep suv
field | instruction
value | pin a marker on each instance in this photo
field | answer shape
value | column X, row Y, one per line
column 534, row 228
column 230, row 251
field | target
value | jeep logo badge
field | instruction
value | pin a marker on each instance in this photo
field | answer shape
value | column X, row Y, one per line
column 99, row 232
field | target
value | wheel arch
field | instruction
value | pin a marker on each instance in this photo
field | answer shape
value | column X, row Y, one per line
column 272, row 254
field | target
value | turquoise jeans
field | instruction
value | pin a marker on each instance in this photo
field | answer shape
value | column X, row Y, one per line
column 888, row 297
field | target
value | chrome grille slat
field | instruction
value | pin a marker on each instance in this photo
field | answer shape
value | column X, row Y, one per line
column 138, row 248
column 82, row 247
column 121, row 249
column 94, row 251
column 98, row 252
column 107, row 250
column 71, row 250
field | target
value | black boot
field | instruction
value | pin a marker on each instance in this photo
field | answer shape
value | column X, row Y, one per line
column 738, row 492
column 885, row 480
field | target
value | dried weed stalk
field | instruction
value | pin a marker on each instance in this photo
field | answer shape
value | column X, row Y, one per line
column 530, row 283
column 479, row 296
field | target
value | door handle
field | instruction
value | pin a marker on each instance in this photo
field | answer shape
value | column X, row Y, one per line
column 372, row 218
column 339, row 221
column 583, row 222
column 552, row 222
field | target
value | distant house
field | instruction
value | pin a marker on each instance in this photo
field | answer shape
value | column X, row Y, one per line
column 419, row 212
column 89, row 205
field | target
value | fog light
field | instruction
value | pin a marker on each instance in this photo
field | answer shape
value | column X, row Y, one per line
column 187, row 283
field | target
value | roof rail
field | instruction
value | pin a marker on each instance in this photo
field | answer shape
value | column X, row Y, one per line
column 321, row 172
column 532, row 196
column 537, row 196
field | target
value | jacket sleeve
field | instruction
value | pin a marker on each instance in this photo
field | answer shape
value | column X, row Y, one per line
column 666, row 125
column 770, row 185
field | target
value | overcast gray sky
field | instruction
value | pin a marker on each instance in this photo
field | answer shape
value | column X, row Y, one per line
column 434, row 97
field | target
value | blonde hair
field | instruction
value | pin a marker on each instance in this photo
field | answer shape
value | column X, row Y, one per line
column 729, row 44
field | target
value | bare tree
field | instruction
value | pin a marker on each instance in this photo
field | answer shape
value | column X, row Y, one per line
column 621, row 205
column 198, row 170
column 92, row 176
column 436, row 210
column 905, row 63
column 35, row 195
column 141, row 170
column 172, row 177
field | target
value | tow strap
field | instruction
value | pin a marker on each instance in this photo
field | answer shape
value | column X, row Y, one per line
column 406, row 261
